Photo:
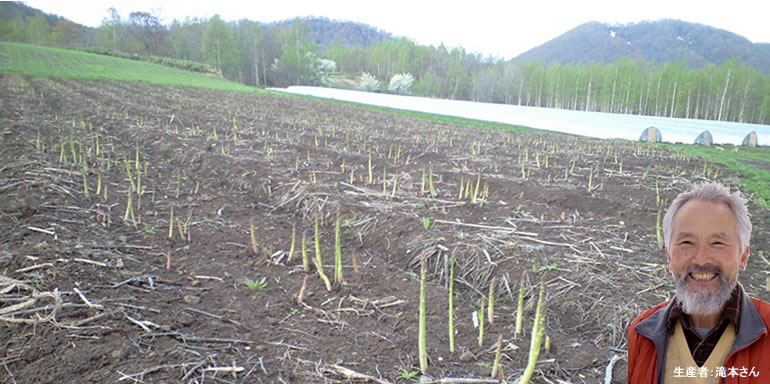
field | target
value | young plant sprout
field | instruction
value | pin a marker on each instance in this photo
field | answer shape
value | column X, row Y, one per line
column 520, row 307
column 303, row 248
column 321, row 273
column 430, row 183
column 423, row 356
column 337, row 252
column 371, row 177
column 491, row 302
column 384, row 180
column 422, row 186
column 293, row 239
column 317, row 261
column 658, row 231
column 129, row 210
column 85, row 181
column 171, row 223
column 480, row 315
column 538, row 327
column 498, row 352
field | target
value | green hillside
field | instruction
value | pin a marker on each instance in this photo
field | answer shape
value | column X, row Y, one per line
column 33, row 60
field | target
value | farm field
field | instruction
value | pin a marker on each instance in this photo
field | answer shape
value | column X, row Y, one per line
column 155, row 233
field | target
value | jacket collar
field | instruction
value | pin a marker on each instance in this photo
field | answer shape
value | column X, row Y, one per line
column 751, row 326
column 654, row 328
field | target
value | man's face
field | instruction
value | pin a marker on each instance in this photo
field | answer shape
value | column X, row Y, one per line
column 705, row 255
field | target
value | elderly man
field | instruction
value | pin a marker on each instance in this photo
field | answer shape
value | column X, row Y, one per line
column 711, row 332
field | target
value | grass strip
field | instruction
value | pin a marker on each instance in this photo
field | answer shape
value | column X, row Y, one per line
column 39, row 61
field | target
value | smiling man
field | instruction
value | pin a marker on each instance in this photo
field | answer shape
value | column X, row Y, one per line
column 711, row 332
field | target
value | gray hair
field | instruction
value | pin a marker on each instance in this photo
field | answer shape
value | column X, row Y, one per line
column 714, row 192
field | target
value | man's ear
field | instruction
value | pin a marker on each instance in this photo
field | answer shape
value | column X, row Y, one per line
column 668, row 255
column 744, row 259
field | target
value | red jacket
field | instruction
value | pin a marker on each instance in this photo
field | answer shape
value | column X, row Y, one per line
column 648, row 338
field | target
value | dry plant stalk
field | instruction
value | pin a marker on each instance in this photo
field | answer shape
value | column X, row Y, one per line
column 253, row 234
column 301, row 294
column 354, row 261
column 168, row 260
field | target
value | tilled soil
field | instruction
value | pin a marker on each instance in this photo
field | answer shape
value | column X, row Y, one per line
column 133, row 216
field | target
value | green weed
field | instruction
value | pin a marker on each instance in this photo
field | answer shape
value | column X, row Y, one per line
column 254, row 285
column 408, row 375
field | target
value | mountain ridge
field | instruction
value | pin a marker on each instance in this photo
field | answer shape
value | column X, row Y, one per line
column 658, row 41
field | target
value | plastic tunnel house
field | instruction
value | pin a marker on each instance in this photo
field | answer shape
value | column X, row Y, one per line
column 751, row 139
column 704, row 138
column 651, row 135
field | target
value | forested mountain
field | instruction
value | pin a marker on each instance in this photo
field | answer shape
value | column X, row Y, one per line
column 11, row 10
column 326, row 32
column 660, row 41
column 18, row 22
column 666, row 68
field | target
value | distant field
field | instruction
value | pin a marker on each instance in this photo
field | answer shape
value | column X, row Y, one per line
column 33, row 60
column 749, row 166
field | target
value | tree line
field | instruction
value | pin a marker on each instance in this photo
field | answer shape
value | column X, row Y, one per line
column 255, row 54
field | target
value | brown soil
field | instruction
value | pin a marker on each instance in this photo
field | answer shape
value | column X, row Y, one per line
column 87, row 295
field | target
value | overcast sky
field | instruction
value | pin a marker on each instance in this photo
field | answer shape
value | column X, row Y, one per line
column 499, row 28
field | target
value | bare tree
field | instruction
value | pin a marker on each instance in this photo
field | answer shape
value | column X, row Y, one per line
column 148, row 29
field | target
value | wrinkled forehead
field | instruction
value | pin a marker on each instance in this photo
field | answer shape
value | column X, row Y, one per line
column 701, row 213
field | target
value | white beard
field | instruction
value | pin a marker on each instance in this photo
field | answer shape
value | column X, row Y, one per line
column 702, row 302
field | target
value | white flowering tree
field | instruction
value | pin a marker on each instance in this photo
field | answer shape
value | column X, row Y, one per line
column 308, row 70
column 322, row 68
column 369, row 83
column 400, row 83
